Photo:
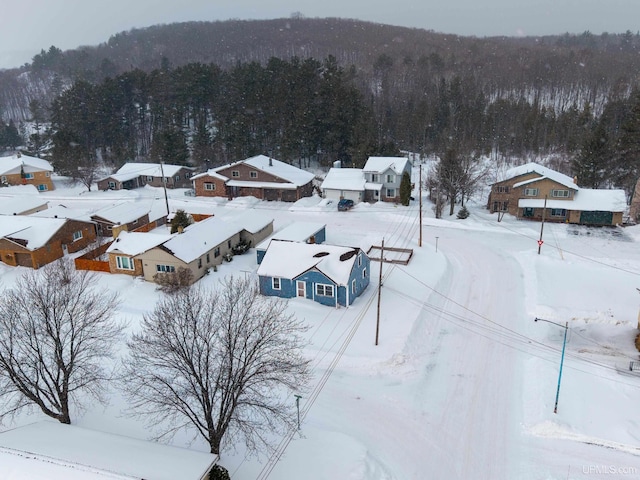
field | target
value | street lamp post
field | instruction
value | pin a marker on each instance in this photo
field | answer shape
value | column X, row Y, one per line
column 564, row 343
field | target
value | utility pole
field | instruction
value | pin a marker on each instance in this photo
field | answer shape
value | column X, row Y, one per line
column 420, row 195
column 379, row 290
column 298, row 397
column 164, row 185
column 544, row 211
column 564, row 343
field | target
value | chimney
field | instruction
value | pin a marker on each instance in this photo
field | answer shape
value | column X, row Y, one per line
column 575, row 180
column 18, row 154
column 180, row 229
column 270, row 162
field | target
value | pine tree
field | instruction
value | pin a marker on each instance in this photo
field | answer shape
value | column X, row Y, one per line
column 405, row 189
column 180, row 219
column 463, row 213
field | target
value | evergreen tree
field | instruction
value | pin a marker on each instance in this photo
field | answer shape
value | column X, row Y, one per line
column 181, row 219
column 591, row 165
column 627, row 166
column 463, row 213
column 405, row 189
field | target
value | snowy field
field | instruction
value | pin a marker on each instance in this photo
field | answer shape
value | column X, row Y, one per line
column 463, row 382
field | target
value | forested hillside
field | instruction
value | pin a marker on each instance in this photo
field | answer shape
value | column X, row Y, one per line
column 331, row 89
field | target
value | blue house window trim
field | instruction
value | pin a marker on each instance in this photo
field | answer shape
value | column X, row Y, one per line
column 276, row 284
column 324, row 290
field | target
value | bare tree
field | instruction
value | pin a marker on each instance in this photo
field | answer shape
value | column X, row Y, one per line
column 56, row 334
column 218, row 361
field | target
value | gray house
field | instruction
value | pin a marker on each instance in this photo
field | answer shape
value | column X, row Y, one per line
column 386, row 172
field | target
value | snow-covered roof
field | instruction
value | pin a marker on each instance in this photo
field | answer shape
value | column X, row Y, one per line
column 13, row 164
column 135, row 243
column 132, row 170
column 122, row 213
column 344, row 179
column 291, row 259
column 295, row 232
column 287, row 172
column 61, row 211
column 544, row 172
column 18, row 205
column 382, row 164
column 27, row 189
column 200, row 238
column 35, row 231
column 97, row 455
column 250, row 220
column 585, row 200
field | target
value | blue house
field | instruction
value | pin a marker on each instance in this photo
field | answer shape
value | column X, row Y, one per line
column 304, row 232
column 326, row 274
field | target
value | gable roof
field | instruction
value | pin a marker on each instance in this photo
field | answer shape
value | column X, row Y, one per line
column 102, row 455
column 585, row 200
column 29, row 231
column 121, row 213
column 544, row 172
column 382, row 164
column 131, row 170
column 14, row 164
column 62, row 211
column 135, row 243
column 294, row 232
column 200, row 238
column 250, row 220
column 291, row 259
column 20, row 204
column 282, row 170
column 344, row 179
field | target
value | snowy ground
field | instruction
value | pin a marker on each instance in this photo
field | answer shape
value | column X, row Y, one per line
column 463, row 382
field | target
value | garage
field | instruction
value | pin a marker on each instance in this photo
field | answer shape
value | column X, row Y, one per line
column 596, row 218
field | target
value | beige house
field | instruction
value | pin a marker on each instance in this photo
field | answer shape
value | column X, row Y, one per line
column 532, row 191
column 203, row 245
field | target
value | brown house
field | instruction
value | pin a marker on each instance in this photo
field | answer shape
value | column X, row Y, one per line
column 136, row 175
column 532, row 192
column 34, row 241
column 23, row 170
column 126, row 246
column 261, row 177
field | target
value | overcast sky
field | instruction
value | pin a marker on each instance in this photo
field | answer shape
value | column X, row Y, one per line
column 28, row 26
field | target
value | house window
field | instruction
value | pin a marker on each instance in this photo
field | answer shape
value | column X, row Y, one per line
column 558, row 212
column 165, row 179
column 391, row 192
column 253, row 174
column 275, row 283
column 228, row 243
column 28, row 176
column 42, row 188
column 560, row 193
column 208, row 258
column 3, row 179
column 176, row 178
column 353, row 287
column 323, row 290
column 391, row 178
column 216, row 252
column 200, row 263
column 527, row 212
column 209, row 186
column 47, row 174
column 149, row 179
column 531, row 192
column 502, row 189
column 124, row 263
column 187, row 174
column 364, row 273
column 165, row 268
column 134, row 222
column 77, row 235
column 374, row 178
column 235, row 173
column 359, row 260
column 112, row 185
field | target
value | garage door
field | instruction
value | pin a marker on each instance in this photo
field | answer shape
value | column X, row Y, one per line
column 596, row 218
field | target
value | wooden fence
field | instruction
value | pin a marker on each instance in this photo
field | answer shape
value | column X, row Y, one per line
column 88, row 260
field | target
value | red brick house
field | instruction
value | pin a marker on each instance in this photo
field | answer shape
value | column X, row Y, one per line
column 261, row 177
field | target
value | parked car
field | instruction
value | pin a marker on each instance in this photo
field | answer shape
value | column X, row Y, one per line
column 345, row 204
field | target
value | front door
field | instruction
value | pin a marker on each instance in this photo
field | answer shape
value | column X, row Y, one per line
column 301, row 288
